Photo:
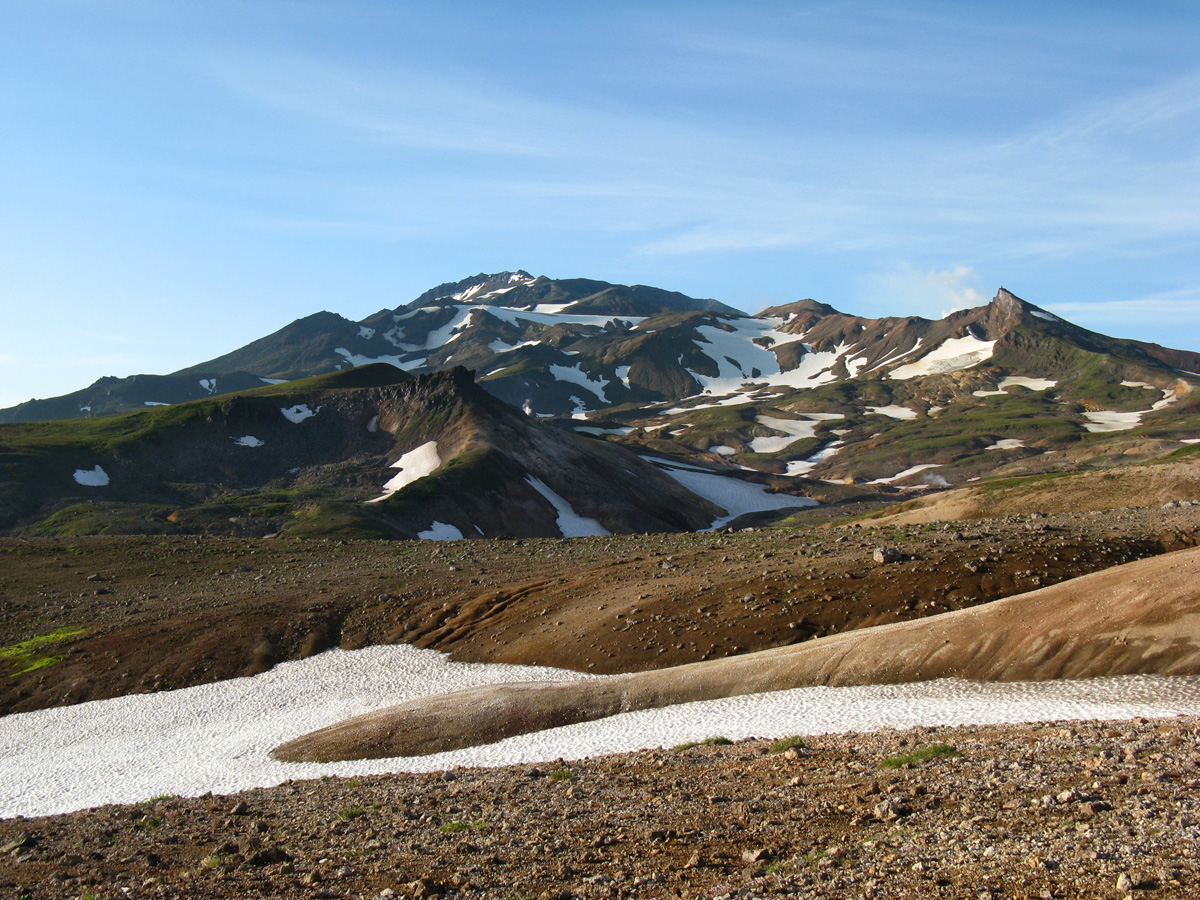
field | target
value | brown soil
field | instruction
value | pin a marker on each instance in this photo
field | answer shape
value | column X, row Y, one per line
column 1139, row 618
column 1145, row 485
column 160, row 613
column 1090, row 809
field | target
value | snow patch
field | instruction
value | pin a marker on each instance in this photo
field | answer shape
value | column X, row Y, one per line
column 722, row 450
column 271, row 380
column 498, row 346
column 218, row 737
column 247, row 440
column 804, row 466
column 1033, row 384
column 440, row 531
column 906, row 473
column 794, row 429
column 298, row 413
column 1006, row 444
column 373, row 425
column 570, row 523
column 414, row 464
column 596, row 430
column 358, row 359
column 96, row 477
column 154, row 403
column 952, row 355
column 733, row 495
column 894, row 412
column 575, row 375
column 1042, row 314
column 209, row 384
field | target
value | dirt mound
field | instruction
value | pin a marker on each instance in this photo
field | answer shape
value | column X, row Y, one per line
column 1134, row 485
column 1143, row 617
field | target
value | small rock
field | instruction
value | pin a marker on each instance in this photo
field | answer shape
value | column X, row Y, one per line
column 1124, row 882
column 239, row 809
column 883, row 555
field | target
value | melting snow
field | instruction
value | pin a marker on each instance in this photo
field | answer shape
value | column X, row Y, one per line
column 894, row 412
column 735, row 496
column 1110, row 420
column 1033, row 384
column 414, row 464
column 622, row 373
column 593, row 429
column 96, row 477
column 358, row 359
column 440, row 531
column 570, row 523
column 1006, row 444
column 298, row 413
column 575, row 375
column 795, row 429
column 498, row 346
column 1105, row 420
column 950, row 356
column 247, row 440
column 217, row 737
column 365, row 332
column 804, row 466
column 913, row 471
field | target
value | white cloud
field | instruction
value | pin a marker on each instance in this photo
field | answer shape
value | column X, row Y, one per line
column 933, row 293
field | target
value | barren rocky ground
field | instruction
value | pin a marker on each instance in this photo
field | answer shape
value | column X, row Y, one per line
column 112, row 616
column 1060, row 810
column 1045, row 811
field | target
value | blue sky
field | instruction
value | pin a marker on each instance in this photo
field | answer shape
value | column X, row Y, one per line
column 180, row 178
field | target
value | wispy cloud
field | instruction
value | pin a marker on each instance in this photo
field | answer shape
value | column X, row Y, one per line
column 1070, row 187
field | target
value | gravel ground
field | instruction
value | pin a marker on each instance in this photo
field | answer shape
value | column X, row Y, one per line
column 1083, row 809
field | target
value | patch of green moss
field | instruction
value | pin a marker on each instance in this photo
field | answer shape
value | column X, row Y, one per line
column 24, row 655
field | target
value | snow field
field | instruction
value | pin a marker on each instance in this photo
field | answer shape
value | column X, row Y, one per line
column 414, row 464
column 735, row 496
column 217, row 737
column 949, row 356
column 793, row 429
column 570, row 523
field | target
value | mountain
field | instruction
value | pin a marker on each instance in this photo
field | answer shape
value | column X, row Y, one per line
column 801, row 399
column 370, row 451
column 472, row 322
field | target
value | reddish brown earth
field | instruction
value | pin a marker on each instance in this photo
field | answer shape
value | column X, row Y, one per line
column 158, row 613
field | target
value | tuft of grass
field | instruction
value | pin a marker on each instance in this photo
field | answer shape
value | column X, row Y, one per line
column 562, row 775
column 24, row 657
column 718, row 741
column 457, row 826
column 923, row 754
column 795, row 742
column 352, row 812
